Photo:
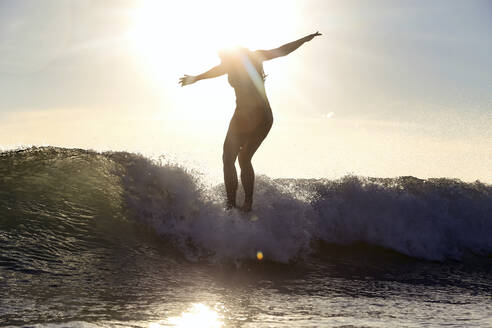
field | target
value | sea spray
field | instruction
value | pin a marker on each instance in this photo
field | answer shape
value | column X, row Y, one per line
column 85, row 194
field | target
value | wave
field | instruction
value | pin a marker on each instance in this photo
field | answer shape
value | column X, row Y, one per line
column 82, row 195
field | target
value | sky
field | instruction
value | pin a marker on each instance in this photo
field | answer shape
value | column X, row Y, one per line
column 391, row 88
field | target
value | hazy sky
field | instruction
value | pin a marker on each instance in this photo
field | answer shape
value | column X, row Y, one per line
column 391, row 88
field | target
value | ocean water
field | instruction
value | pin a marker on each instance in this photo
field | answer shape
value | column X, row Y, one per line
column 117, row 240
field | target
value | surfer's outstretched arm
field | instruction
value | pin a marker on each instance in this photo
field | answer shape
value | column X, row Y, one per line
column 211, row 73
column 286, row 48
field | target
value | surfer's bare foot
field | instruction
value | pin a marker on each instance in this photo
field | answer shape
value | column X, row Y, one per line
column 229, row 206
column 246, row 207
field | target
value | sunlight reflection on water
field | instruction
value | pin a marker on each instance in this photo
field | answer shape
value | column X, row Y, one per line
column 198, row 315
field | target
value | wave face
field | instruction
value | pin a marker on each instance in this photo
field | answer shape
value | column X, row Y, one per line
column 54, row 201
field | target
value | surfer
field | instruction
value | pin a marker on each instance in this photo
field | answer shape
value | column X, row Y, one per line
column 252, row 118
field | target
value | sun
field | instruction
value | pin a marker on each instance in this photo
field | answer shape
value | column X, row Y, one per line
column 167, row 33
column 172, row 38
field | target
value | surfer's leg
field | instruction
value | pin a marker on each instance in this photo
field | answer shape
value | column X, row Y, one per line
column 247, row 171
column 247, row 179
column 232, row 145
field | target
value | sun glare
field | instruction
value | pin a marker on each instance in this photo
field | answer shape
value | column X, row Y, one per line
column 173, row 31
column 172, row 38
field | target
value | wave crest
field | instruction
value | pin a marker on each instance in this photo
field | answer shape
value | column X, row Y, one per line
column 433, row 219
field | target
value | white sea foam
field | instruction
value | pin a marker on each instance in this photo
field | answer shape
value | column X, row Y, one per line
column 434, row 219
column 429, row 219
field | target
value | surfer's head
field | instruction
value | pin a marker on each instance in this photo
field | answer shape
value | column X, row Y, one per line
column 238, row 57
column 233, row 55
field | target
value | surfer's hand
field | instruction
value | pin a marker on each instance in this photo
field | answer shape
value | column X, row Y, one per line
column 187, row 79
column 311, row 36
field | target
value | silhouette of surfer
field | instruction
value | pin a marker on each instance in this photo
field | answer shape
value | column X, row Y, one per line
column 252, row 118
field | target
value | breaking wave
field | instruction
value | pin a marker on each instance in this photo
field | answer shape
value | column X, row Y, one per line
column 55, row 200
